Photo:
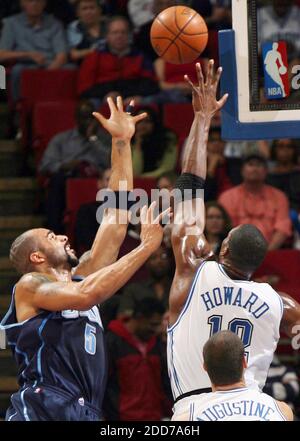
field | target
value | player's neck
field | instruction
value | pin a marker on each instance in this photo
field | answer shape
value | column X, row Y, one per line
column 60, row 274
column 239, row 385
column 234, row 273
column 254, row 186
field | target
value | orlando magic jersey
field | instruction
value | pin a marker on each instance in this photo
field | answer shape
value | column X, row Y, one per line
column 63, row 350
column 216, row 302
column 235, row 405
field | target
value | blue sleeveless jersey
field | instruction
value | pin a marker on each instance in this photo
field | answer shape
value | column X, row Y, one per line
column 64, row 350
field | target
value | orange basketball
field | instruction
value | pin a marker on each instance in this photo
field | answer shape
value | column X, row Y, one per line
column 179, row 35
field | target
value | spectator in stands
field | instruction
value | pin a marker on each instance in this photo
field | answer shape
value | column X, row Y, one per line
column 286, row 172
column 115, row 7
column 220, row 17
column 79, row 152
column 217, row 179
column 142, row 40
column 167, row 181
column 87, row 32
column 154, row 148
column 137, row 368
column 254, row 202
column 282, row 383
column 32, row 39
column 280, row 21
column 9, row 7
column 173, row 87
column 217, row 225
column 157, row 285
column 117, row 68
column 140, row 12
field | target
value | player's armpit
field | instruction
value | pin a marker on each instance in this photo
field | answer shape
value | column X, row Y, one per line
column 291, row 315
column 286, row 410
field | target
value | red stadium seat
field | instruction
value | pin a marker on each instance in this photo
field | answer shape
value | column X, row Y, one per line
column 179, row 118
column 42, row 85
column 50, row 118
column 78, row 192
column 146, row 184
column 285, row 264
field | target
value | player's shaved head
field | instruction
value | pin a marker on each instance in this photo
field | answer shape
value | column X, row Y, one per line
column 223, row 356
column 247, row 247
column 22, row 247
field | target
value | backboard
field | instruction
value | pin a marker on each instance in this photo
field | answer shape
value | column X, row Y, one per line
column 261, row 70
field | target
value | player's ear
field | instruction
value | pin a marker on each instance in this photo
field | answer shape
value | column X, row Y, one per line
column 245, row 364
column 204, row 367
column 37, row 258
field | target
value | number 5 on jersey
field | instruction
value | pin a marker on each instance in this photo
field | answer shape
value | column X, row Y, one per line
column 90, row 339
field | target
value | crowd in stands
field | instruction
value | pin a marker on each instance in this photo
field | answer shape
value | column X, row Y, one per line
column 106, row 44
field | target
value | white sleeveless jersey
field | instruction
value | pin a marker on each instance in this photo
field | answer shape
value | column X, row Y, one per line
column 235, row 405
column 216, row 302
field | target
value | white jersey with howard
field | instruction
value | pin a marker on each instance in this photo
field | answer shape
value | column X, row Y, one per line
column 216, row 302
column 235, row 405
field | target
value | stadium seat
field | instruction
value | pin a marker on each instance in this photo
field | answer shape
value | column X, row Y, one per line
column 146, row 184
column 285, row 264
column 79, row 191
column 50, row 118
column 42, row 85
column 179, row 118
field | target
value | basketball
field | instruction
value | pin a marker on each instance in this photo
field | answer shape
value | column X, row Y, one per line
column 179, row 35
column 282, row 70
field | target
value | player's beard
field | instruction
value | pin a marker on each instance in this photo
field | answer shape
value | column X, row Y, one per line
column 73, row 261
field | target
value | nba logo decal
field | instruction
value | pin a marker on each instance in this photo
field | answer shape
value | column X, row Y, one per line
column 276, row 70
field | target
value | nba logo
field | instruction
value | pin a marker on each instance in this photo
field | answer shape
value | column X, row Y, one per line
column 276, row 70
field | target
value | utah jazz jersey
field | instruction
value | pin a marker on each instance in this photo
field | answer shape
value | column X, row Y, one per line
column 216, row 302
column 235, row 405
column 62, row 350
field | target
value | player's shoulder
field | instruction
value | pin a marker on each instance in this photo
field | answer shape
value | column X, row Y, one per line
column 285, row 410
column 31, row 281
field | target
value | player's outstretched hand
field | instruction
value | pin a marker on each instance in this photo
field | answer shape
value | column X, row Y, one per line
column 205, row 92
column 121, row 124
column 151, row 229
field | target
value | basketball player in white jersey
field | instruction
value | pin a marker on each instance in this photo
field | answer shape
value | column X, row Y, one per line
column 231, row 399
column 208, row 296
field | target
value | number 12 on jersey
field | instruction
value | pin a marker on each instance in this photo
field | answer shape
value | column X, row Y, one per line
column 242, row 327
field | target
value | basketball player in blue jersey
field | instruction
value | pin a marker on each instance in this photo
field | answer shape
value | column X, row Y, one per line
column 208, row 295
column 53, row 326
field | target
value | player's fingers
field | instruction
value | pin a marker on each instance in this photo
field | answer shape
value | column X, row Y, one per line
column 139, row 117
column 143, row 215
column 210, row 70
column 199, row 73
column 223, row 100
column 120, row 103
column 130, row 107
column 150, row 213
column 164, row 216
column 188, row 80
column 111, row 105
column 217, row 77
column 99, row 118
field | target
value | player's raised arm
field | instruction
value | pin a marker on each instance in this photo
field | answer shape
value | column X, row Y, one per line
column 38, row 291
column 291, row 316
column 188, row 242
column 112, row 231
